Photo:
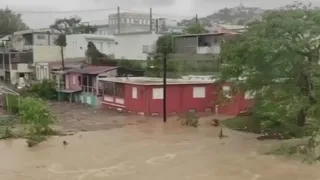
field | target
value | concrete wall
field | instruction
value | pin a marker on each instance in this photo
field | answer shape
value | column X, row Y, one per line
column 130, row 46
column 186, row 45
column 44, row 39
column 46, row 53
column 77, row 44
column 20, row 43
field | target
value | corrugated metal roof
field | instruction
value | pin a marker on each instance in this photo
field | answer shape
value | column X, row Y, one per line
column 93, row 70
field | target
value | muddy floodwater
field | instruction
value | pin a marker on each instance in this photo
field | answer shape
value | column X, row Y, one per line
column 149, row 151
column 121, row 147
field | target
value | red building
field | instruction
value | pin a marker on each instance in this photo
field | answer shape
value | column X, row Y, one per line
column 144, row 96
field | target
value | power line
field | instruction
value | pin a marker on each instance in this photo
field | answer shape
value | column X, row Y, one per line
column 157, row 14
column 64, row 12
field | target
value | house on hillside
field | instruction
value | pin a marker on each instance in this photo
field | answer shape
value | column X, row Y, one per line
column 226, row 28
column 24, row 49
column 77, row 44
column 81, row 85
column 198, row 49
column 136, row 45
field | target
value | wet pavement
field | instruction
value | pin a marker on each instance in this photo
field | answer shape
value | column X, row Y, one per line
column 149, row 151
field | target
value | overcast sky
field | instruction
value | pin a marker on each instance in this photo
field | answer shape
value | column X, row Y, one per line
column 174, row 9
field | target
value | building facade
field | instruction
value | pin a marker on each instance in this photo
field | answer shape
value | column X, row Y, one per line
column 24, row 49
column 77, row 44
column 135, row 45
column 198, row 49
column 144, row 96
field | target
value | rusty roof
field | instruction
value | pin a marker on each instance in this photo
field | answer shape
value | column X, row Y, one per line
column 92, row 70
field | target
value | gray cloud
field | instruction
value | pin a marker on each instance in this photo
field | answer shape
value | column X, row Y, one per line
column 175, row 9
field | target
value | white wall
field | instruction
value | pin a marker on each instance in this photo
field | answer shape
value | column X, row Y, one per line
column 46, row 53
column 130, row 46
column 77, row 44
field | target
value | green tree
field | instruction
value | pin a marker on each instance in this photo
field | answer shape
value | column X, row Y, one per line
column 95, row 57
column 62, row 43
column 277, row 58
column 72, row 25
column 163, row 47
column 195, row 29
column 10, row 22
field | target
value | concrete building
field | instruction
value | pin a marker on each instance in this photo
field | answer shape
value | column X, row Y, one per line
column 77, row 44
column 130, row 22
column 103, row 30
column 24, row 49
column 169, row 26
column 226, row 28
column 198, row 49
column 135, row 45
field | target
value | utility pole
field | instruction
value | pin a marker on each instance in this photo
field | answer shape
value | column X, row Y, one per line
column 197, row 21
column 118, row 17
column 151, row 19
column 165, row 54
column 3, row 56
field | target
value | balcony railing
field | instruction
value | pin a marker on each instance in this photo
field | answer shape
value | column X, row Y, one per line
column 208, row 50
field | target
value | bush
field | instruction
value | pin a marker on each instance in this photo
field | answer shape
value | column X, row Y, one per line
column 191, row 119
column 11, row 103
column 45, row 89
column 35, row 113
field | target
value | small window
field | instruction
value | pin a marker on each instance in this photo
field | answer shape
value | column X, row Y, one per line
column 226, row 90
column 199, row 92
column 145, row 48
column 134, row 93
column 41, row 36
column 157, row 93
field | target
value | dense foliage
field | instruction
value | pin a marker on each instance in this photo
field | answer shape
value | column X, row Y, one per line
column 46, row 89
column 277, row 58
column 195, row 29
column 10, row 22
column 35, row 114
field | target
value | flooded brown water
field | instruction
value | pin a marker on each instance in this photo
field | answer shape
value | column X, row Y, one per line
column 148, row 151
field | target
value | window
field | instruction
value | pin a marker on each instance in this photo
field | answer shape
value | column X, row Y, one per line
column 157, row 93
column 134, row 93
column 249, row 95
column 41, row 36
column 226, row 90
column 199, row 92
column 145, row 48
column 73, row 79
column 136, row 21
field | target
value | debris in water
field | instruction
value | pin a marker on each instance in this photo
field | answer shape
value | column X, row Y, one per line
column 65, row 143
column 221, row 134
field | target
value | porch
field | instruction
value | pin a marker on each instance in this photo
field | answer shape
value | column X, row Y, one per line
column 113, row 94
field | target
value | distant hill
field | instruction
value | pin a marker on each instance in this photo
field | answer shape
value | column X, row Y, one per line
column 239, row 15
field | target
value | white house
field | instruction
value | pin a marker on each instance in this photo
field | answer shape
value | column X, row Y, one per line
column 77, row 44
column 135, row 45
